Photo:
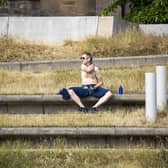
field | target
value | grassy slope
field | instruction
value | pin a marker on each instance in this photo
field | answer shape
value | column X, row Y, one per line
column 123, row 44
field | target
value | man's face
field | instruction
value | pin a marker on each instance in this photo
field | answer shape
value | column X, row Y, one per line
column 85, row 59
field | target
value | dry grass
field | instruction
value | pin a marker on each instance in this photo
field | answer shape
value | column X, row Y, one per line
column 36, row 83
column 12, row 49
column 117, row 116
column 132, row 80
column 123, row 44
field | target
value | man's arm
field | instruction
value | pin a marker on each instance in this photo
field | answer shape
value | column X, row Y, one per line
column 99, row 78
column 88, row 69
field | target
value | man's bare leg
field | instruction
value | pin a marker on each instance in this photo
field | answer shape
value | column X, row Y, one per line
column 75, row 98
column 103, row 99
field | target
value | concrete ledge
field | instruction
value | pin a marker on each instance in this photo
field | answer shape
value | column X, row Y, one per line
column 155, row 29
column 46, row 104
column 58, row 98
column 87, row 131
column 60, row 65
column 99, row 137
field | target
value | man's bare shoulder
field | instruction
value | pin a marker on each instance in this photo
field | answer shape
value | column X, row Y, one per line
column 96, row 68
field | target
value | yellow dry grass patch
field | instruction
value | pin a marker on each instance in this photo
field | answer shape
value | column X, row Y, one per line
column 120, row 116
column 132, row 80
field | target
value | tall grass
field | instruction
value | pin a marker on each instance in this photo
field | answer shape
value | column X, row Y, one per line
column 129, row 43
column 123, row 44
column 132, row 80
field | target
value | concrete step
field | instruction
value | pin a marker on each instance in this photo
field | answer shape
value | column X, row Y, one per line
column 90, row 136
column 67, row 64
column 47, row 104
column 80, row 131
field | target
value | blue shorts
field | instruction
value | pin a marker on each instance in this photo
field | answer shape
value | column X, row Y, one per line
column 84, row 91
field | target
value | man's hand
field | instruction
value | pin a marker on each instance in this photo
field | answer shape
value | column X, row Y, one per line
column 93, row 88
column 88, row 69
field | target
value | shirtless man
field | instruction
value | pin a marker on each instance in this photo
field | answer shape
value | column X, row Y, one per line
column 91, row 85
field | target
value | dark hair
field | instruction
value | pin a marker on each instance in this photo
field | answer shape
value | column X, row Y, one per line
column 89, row 55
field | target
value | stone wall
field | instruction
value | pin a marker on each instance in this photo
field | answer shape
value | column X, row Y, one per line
column 56, row 8
column 24, row 7
column 3, row 10
column 68, row 7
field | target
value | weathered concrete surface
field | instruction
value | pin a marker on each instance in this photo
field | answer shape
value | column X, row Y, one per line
column 52, row 29
column 3, row 25
column 105, row 26
column 155, row 29
column 58, row 99
column 102, row 137
column 80, row 131
column 10, row 66
column 58, row 29
column 46, row 104
column 59, row 65
column 122, row 25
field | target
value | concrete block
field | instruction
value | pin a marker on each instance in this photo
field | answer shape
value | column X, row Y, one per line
column 3, row 109
column 105, row 26
column 88, row 136
column 41, row 66
column 155, row 29
column 59, row 108
column 121, row 25
column 134, row 131
column 25, row 109
column 50, row 109
column 46, row 104
column 59, row 65
column 52, row 29
column 161, row 131
column 10, row 66
column 3, row 25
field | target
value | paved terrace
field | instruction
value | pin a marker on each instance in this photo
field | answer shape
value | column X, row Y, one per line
column 67, row 64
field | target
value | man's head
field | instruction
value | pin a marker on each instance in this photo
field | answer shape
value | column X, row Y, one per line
column 86, row 58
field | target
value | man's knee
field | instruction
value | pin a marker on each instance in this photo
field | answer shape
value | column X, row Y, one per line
column 109, row 93
column 71, row 92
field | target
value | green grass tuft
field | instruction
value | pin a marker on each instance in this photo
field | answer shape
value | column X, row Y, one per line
column 84, row 158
